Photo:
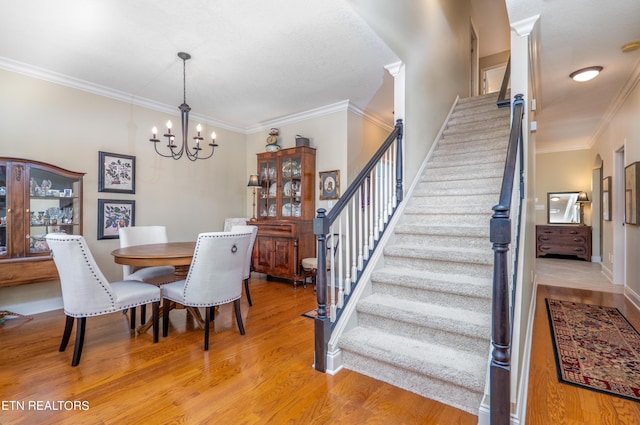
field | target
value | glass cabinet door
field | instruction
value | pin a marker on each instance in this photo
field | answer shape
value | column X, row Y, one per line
column 3, row 210
column 53, row 207
column 267, row 207
column 291, row 187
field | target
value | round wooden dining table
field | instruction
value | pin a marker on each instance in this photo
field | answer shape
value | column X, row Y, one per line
column 177, row 254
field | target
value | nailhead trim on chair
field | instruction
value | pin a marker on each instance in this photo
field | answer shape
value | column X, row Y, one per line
column 99, row 281
column 195, row 254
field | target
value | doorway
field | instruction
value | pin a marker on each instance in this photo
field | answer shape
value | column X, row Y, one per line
column 474, row 62
column 619, row 231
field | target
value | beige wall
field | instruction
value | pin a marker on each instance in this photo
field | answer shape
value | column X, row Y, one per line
column 432, row 38
column 562, row 172
column 67, row 127
column 622, row 132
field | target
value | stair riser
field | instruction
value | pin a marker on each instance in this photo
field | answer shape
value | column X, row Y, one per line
column 494, row 169
column 450, row 136
column 447, row 159
column 425, row 294
column 466, row 201
column 459, row 286
column 426, row 386
column 443, row 241
column 460, row 148
column 482, row 126
column 438, row 266
column 463, row 116
column 448, row 219
column 424, row 333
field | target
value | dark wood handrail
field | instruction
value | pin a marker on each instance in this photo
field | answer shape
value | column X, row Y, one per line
column 360, row 178
column 503, row 100
column 500, row 236
column 321, row 227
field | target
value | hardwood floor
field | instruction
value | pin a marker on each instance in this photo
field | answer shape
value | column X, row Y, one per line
column 552, row 402
column 265, row 376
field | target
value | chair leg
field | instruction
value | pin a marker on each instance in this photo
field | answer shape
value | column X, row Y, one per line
column 207, row 319
column 236, row 304
column 132, row 321
column 155, row 317
column 212, row 313
column 68, row 326
column 165, row 317
column 143, row 314
column 77, row 350
column 246, row 290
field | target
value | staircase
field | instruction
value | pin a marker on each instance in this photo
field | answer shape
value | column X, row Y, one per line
column 426, row 327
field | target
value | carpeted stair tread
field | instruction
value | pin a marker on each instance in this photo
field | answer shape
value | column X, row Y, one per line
column 454, row 255
column 442, row 230
column 442, row 363
column 455, row 320
column 426, row 326
column 460, row 284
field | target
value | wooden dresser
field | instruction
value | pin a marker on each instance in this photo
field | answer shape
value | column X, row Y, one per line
column 563, row 240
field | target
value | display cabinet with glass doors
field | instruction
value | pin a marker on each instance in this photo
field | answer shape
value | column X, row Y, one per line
column 35, row 199
column 285, row 211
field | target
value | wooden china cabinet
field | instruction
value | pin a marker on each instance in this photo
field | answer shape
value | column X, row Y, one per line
column 35, row 199
column 285, row 211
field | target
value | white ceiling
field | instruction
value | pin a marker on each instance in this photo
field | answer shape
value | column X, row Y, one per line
column 252, row 60
column 257, row 60
column 575, row 34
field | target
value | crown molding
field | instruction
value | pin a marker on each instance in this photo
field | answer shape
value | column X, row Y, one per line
column 75, row 83
column 524, row 27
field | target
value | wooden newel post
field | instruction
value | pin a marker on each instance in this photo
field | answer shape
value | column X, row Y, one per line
column 500, row 230
column 322, row 321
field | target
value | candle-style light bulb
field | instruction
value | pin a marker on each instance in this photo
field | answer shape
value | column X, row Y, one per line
column 198, row 129
column 154, row 131
column 169, row 125
column 213, row 136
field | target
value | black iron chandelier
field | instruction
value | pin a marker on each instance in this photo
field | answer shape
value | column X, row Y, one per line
column 193, row 153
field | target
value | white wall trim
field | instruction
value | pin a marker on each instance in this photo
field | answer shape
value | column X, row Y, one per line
column 75, row 83
column 35, row 307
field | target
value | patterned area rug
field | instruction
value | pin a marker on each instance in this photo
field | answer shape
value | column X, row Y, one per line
column 595, row 348
column 311, row 314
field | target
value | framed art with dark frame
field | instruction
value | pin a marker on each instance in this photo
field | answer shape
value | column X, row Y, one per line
column 114, row 214
column 330, row 184
column 606, row 198
column 631, row 199
column 117, row 173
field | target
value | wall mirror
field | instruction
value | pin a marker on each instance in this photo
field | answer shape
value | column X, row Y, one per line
column 562, row 208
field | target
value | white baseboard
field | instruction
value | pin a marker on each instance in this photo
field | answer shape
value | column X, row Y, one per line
column 35, row 307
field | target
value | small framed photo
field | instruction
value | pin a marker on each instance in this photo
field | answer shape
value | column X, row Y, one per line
column 330, row 184
column 68, row 193
column 114, row 214
column 631, row 199
column 117, row 173
column 606, row 198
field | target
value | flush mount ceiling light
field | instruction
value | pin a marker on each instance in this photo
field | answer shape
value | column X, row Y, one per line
column 586, row 74
column 630, row 47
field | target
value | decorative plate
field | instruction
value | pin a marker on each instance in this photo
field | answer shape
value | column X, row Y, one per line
column 287, row 189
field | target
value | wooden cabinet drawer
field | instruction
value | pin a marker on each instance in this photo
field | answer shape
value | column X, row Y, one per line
column 564, row 240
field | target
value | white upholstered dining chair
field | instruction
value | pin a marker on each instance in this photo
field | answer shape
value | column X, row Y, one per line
column 246, row 273
column 143, row 235
column 214, row 278
column 86, row 291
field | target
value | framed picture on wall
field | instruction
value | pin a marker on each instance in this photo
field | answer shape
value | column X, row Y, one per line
column 631, row 199
column 606, row 198
column 330, row 184
column 114, row 214
column 117, row 173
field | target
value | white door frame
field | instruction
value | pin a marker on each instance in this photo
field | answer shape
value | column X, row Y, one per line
column 619, row 231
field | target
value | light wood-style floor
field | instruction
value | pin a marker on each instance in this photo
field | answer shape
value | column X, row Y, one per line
column 265, row 376
column 552, row 402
